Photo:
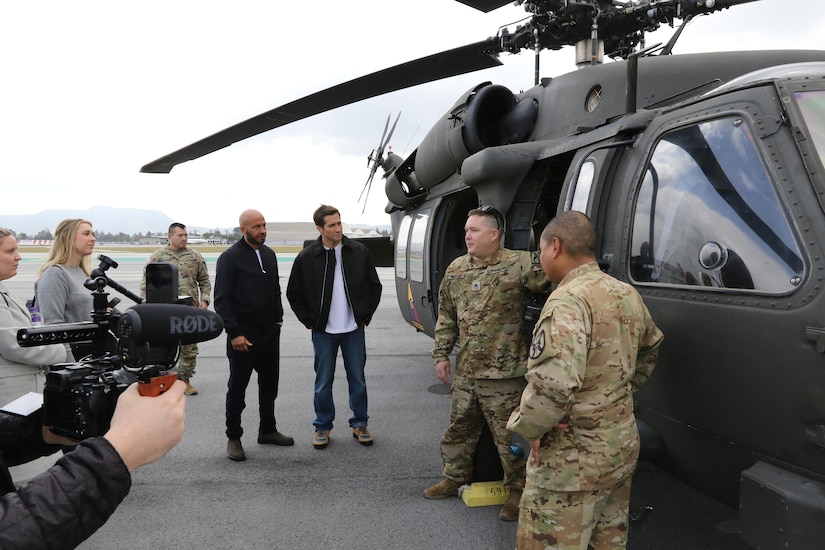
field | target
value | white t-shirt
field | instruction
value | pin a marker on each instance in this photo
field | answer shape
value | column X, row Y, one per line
column 341, row 319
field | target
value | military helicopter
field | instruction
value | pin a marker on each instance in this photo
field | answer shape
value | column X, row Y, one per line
column 705, row 177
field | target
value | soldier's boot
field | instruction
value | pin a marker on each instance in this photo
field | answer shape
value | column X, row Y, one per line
column 509, row 512
column 190, row 389
column 443, row 489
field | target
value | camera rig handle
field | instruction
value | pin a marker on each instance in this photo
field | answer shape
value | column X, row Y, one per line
column 155, row 386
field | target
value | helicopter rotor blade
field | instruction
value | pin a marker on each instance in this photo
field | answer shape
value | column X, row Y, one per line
column 369, row 180
column 485, row 5
column 385, row 142
column 378, row 158
column 375, row 156
column 462, row 60
column 383, row 134
column 367, row 187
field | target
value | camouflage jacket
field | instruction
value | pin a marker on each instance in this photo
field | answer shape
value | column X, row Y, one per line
column 481, row 304
column 193, row 276
column 594, row 344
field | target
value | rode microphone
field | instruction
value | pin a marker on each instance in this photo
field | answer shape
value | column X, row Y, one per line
column 168, row 324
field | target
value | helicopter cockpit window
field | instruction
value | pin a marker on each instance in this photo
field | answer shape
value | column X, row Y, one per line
column 419, row 232
column 707, row 215
column 812, row 105
column 401, row 248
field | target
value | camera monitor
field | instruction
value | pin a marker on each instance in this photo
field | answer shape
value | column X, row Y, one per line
column 161, row 283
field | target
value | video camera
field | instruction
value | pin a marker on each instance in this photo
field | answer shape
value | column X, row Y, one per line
column 141, row 344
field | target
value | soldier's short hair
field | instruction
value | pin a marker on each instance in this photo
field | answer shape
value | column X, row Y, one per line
column 489, row 212
column 575, row 231
column 322, row 212
column 176, row 225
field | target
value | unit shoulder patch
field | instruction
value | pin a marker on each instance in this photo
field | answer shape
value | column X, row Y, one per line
column 537, row 346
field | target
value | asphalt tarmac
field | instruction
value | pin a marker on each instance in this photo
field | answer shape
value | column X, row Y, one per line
column 346, row 496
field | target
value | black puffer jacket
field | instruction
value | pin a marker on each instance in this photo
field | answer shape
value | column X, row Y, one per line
column 309, row 290
column 65, row 505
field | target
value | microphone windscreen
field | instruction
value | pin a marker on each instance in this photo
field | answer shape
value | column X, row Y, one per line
column 167, row 324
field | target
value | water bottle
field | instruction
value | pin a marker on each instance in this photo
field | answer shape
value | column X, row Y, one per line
column 37, row 320
column 519, row 447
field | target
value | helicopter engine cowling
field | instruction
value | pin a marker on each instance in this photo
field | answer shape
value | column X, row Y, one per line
column 496, row 117
column 487, row 115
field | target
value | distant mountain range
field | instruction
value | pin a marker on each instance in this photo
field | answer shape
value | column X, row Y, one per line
column 106, row 219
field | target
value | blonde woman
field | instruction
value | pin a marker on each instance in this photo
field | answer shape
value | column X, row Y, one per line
column 59, row 292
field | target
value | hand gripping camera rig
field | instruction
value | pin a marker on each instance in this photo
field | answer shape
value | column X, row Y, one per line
column 139, row 345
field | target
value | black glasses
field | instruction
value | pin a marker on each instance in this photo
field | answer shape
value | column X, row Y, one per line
column 492, row 212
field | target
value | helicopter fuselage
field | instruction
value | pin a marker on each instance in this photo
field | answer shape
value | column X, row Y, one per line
column 707, row 192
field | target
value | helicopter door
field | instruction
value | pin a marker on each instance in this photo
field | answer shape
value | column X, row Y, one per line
column 429, row 239
column 412, row 288
column 707, row 231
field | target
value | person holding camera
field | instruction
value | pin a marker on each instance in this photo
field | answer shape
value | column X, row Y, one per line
column 193, row 281
column 60, row 292
column 74, row 498
column 248, row 299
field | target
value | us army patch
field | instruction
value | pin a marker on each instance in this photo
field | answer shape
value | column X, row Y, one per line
column 535, row 257
column 537, row 347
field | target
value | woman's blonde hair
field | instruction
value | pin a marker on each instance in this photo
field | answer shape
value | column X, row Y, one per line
column 63, row 246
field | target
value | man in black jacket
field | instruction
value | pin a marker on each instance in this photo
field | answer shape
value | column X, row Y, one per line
column 65, row 505
column 248, row 298
column 334, row 291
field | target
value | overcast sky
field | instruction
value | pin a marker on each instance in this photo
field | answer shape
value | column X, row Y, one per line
column 93, row 90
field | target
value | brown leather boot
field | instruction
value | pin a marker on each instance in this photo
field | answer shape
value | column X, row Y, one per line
column 235, row 451
column 190, row 389
column 509, row 512
column 443, row 489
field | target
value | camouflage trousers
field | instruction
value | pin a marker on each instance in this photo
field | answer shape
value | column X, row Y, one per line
column 577, row 520
column 472, row 403
column 186, row 363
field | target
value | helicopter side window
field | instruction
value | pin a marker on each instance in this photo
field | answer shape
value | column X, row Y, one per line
column 419, row 232
column 812, row 105
column 401, row 248
column 707, row 215
column 584, row 184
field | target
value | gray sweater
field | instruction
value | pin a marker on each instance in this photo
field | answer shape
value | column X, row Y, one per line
column 62, row 298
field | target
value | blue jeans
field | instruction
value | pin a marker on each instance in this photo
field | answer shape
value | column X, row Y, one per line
column 354, row 351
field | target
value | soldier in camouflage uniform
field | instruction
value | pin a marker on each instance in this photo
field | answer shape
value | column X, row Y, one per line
column 593, row 346
column 193, row 281
column 481, row 304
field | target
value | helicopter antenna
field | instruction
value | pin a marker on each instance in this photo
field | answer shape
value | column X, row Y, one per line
column 672, row 42
column 407, row 146
column 376, row 157
column 538, row 51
